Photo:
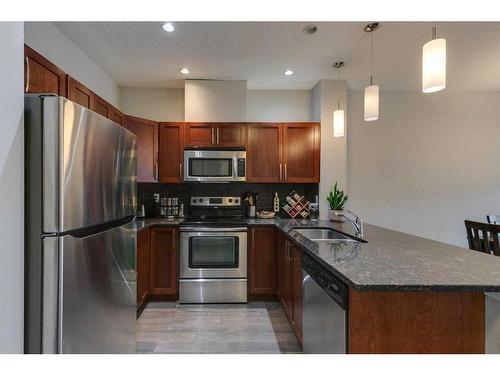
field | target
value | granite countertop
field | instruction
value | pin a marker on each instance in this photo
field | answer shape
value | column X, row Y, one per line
column 389, row 260
column 144, row 223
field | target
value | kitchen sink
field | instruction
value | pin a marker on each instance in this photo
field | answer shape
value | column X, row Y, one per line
column 323, row 234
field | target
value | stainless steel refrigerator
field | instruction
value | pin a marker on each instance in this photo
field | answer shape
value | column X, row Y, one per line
column 80, row 180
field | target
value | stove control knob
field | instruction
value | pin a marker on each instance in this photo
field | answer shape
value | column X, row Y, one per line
column 237, row 201
column 193, row 200
column 230, row 200
column 200, row 200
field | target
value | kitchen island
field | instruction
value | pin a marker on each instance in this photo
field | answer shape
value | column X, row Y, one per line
column 407, row 294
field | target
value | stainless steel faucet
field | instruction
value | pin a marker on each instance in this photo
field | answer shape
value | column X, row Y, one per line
column 355, row 221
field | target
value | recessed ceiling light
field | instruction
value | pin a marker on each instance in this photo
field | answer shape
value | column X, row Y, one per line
column 185, row 71
column 310, row 29
column 168, row 27
column 288, row 72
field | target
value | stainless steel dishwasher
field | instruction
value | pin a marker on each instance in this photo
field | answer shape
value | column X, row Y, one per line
column 325, row 310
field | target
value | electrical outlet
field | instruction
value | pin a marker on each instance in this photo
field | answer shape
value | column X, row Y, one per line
column 156, row 197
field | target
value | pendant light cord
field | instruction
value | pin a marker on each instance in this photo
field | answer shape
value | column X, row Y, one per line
column 338, row 76
column 371, row 58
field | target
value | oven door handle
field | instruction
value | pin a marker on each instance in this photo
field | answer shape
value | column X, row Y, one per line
column 212, row 229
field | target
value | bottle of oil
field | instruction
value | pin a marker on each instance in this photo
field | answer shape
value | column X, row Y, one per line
column 276, row 202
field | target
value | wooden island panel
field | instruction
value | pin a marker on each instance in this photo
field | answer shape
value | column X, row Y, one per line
column 416, row 322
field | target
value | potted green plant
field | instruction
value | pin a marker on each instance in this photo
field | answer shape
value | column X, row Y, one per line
column 337, row 200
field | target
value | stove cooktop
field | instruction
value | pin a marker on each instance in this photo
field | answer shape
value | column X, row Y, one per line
column 214, row 220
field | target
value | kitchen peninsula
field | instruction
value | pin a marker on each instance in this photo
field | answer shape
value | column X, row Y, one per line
column 407, row 294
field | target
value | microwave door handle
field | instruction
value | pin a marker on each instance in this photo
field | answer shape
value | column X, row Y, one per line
column 235, row 167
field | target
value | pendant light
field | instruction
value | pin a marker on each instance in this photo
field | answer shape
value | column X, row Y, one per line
column 434, row 64
column 371, row 91
column 338, row 115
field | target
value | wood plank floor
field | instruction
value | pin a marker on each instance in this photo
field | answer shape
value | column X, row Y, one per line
column 257, row 327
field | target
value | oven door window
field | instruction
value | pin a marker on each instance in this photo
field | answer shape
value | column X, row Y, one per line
column 210, row 167
column 213, row 252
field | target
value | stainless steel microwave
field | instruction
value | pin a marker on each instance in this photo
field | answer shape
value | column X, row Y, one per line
column 210, row 165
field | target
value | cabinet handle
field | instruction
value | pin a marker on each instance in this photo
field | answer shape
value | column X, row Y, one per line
column 217, row 135
column 27, row 74
column 180, row 171
column 156, row 171
column 286, row 174
column 280, row 172
column 213, row 136
column 253, row 238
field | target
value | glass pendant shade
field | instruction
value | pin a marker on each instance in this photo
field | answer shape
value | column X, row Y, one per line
column 371, row 103
column 434, row 65
column 338, row 123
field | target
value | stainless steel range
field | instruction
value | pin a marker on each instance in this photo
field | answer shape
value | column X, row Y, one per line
column 213, row 252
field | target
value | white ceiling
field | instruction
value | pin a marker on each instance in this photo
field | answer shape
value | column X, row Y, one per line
column 141, row 54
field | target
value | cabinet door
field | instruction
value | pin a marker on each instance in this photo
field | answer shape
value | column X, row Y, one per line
column 99, row 105
column 230, row 135
column 285, row 275
column 262, row 271
column 116, row 115
column 42, row 76
column 78, row 92
column 170, row 151
column 163, row 270
column 264, row 155
column 301, row 152
column 143, row 265
column 146, row 132
column 200, row 135
column 297, row 304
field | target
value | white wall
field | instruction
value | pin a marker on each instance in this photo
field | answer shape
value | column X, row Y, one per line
column 153, row 103
column 324, row 101
column 11, row 188
column 428, row 163
column 46, row 39
column 207, row 100
column 278, row 105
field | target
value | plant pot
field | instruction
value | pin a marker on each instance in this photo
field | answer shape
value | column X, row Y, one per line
column 335, row 217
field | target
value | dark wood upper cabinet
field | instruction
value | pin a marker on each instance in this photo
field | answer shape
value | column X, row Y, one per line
column 214, row 134
column 262, row 261
column 42, row 76
column 230, row 135
column 146, row 132
column 199, row 135
column 99, row 105
column 264, row 156
column 170, row 151
column 116, row 115
column 163, row 263
column 79, row 93
column 143, row 265
column 301, row 152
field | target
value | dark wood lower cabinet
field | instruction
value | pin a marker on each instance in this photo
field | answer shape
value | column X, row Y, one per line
column 284, row 291
column 416, row 322
column 276, row 270
column 143, row 265
column 163, row 269
column 262, row 262
column 297, row 303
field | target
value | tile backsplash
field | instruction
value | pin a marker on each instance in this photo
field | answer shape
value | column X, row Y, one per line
column 266, row 192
